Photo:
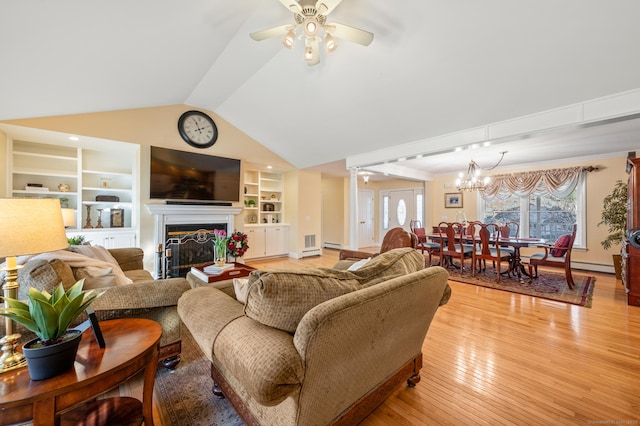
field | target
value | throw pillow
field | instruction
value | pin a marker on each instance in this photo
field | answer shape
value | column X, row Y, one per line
column 561, row 246
column 280, row 298
column 241, row 288
column 44, row 275
column 95, row 277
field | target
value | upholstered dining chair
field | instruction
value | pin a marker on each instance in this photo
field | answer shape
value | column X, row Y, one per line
column 452, row 245
column 394, row 238
column 488, row 248
column 424, row 245
column 510, row 229
column 557, row 255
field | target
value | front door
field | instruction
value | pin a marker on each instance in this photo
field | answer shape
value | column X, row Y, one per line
column 400, row 210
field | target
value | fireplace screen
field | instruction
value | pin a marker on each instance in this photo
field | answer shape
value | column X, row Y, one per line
column 187, row 246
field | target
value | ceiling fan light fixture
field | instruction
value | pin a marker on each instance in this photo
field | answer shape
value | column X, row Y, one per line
column 289, row 40
column 330, row 43
column 310, row 27
column 308, row 53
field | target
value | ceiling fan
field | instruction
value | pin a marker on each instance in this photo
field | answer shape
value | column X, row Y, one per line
column 312, row 16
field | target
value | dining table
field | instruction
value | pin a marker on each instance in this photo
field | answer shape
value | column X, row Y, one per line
column 516, row 266
column 517, row 243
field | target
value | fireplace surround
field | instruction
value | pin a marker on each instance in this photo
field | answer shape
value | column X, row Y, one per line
column 185, row 220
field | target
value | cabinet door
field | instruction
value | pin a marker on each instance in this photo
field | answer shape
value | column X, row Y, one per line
column 276, row 241
column 112, row 240
column 256, row 237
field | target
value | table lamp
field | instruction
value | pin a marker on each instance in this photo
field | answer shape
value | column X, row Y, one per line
column 27, row 226
column 69, row 217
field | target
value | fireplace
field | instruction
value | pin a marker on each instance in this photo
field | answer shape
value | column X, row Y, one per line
column 188, row 245
column 183, row 235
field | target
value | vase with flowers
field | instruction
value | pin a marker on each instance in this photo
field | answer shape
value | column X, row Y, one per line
column 220, row 247
column 237, row 244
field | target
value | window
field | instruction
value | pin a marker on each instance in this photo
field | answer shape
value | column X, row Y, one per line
column 540, row 216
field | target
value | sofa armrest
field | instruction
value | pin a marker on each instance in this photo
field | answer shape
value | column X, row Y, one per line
column 141, row 295
column 346, row 254
column 129, row 258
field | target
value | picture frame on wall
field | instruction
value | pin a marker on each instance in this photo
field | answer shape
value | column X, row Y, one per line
column 117, row 218
column 453, row 200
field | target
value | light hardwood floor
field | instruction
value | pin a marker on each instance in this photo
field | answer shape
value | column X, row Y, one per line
column 497, row 358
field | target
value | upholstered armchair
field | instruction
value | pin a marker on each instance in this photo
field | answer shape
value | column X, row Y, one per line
column 394, row 238
column 557, row 255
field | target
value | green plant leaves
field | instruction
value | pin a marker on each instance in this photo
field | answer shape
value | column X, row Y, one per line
column 50, row 315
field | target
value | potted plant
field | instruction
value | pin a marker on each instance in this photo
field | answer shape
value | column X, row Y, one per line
column 614, row 216
column 77, row 240
column 49, row 316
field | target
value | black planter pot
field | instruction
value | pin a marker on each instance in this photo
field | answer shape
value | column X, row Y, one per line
column 48, row 361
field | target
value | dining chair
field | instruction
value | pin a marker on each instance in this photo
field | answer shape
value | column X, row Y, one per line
column 557, row 255
column 424, row 245
column 510, row 229
column 452, row 245
column 488, row 248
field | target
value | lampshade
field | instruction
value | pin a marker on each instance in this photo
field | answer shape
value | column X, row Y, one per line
column 68, row 217
column 30, row 226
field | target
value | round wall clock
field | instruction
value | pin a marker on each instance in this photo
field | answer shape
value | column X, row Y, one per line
column 197, row 129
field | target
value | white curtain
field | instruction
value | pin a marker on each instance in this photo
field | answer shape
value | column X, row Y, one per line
column 557, row 182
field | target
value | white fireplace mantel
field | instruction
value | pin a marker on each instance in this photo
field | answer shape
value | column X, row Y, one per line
column 179, row 214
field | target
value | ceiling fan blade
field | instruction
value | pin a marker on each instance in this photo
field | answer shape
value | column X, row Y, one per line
column 324, row 7
column 346, row 32
column 292, row 5
column 271, row 32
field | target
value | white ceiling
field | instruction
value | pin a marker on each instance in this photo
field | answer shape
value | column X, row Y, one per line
column 435, row 67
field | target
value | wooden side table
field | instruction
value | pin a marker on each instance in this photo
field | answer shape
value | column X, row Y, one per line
column 132, row 345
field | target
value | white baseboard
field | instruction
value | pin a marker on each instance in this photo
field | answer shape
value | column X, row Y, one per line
column 334, row 246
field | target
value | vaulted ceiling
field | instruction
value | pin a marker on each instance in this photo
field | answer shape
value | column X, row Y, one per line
column 435, row 67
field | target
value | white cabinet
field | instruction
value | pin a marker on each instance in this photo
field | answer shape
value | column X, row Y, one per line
column 267, row 241
column 100, row 184
column 263, row 197
column 257, row 242
column 109, row 239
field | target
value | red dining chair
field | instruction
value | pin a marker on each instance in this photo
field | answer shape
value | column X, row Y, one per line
column 557, row 255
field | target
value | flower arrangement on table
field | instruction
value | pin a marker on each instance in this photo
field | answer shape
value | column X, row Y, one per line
column 220, row 246
column 237, row 244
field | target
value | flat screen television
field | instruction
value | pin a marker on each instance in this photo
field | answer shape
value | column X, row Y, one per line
column 192, row 177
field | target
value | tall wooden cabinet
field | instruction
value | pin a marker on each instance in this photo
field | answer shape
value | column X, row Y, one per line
column 630, row 254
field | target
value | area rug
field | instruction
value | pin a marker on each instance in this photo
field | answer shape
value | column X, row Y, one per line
column 548, row 285
column 183, row 396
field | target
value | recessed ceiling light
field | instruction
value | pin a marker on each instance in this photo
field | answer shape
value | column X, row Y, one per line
column 74, row 138
column 269, row 167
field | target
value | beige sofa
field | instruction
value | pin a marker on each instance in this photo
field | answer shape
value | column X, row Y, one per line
column 317, row 346
column 140, row 297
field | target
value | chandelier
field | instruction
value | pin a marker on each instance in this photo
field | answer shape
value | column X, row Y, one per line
column 472, row 181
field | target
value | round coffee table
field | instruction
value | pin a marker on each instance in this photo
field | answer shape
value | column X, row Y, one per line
column 132, row 346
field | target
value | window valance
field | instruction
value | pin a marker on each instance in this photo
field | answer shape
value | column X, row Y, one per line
column 557, row 182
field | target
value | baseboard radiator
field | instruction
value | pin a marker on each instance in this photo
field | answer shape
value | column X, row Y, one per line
column 310, row 247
